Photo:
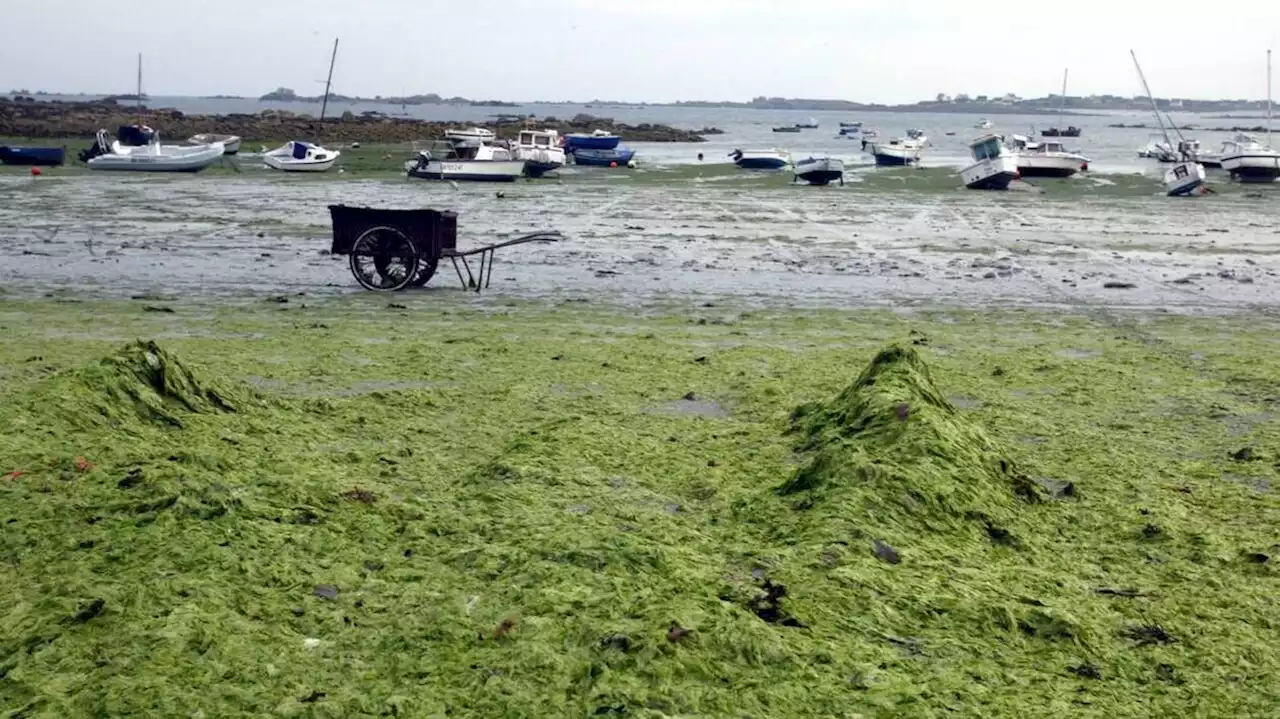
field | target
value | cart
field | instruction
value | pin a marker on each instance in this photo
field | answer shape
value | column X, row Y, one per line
column 393, row 249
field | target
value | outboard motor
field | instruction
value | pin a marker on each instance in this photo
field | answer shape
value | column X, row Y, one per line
column 101, row 146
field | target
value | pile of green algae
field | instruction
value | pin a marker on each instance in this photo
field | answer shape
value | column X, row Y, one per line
column 179, row 544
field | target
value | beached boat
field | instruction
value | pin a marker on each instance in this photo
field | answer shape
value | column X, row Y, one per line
column 598, row 140
column 297, row 156
column 1249, row 160
column 466, row 160
column 231, row 143
column 46, row 156
column 474, row 133
column 994, row 167
column 820, row 170
column 1186, row 177
column 111, row 155
column 918, row 136
column 540, row 151
column 983, row 124
column 1045, row 159
column 774, row 159
column 617, row 157
column 896, row 152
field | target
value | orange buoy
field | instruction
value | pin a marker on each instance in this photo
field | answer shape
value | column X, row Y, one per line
column 613, row 164
column 35, row 172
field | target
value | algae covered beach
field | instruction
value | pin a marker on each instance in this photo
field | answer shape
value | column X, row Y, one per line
column 443, row 506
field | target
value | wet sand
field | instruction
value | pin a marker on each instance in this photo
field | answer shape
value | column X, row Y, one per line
column 635, row 241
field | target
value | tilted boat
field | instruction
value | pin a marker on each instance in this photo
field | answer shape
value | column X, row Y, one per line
column 1186, row 177
column 298, row 156
column 46, row 156
column 106, row 154
column 774, row 159
column 597, row 140
column 540, row 151
column 465, row 160
column 230, row 143
column 896, row 152
column 994, row 167
column 617, row 157
column 820, row 170
column 1045, row 159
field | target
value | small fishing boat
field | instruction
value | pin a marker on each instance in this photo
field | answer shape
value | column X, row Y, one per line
column 231, row 143
column 787, row 128
column 774, row 159
column 465, row 160
column 1249, row 160
column 297, row 156
column 540, row 152
column 896, row 152
column 1045, row 159
column 850, row 133
column 617, row 157
column 983, row 124
column 46, row 156
column 474, row 133
column 598, row 140
column 994, row 168
column 820, row 170
column 850, row 124
column 111, row 155
column 812, row 124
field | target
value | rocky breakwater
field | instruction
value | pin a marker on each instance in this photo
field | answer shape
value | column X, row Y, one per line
column 28, row 118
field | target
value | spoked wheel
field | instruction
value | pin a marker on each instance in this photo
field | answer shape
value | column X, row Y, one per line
column 384, row 260
column 426, row 269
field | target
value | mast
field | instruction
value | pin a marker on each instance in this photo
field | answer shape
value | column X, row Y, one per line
column 329, row 83
column 1062, row 107
column 139, row 96
column 1147, row 89
column 1268, row 97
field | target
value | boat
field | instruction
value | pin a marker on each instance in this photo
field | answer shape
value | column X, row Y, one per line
column 774, row 159
column 540, row 152
column 820, row 170
column 983, row 124
column 812, row 124
column 787, row 128
column 918, row 136
column 896, row 152
column 617, row 157
column 850, row 133
column 1212, row 160
column 844, row 125
column 46, row 156
column 299, row 156
column 598, row 140
column 468, row 160
column 1249, row 160
column 111, row 155
column 1071, row 131
column 1045, row 159
column 1186, row 177
column 230, row 142
column 1155, row 148
column 474, row 133
column 994, row 168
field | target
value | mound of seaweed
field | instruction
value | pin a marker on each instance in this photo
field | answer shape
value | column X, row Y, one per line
column 894, row 444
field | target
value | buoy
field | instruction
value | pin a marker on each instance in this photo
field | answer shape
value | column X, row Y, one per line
column 631, row 164
column 35, row 172
column 699, row 157
column 613, row 164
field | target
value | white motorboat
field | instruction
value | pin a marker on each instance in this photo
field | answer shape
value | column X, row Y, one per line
column 820, row 170
column 230, row 143
column 1212, row 160
column 896, row 152
column 108, row 154
column 918, row 136
column 474, row 133
column 297, row 156
column 994, row 168
column 1249, row 160
column 774, row 159
column 540, row 151
column 1186, row 177
column 466, row 160
column 1045, row 159
column 983, row 124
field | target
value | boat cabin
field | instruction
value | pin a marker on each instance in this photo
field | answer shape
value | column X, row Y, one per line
column 468, row 150
column 987, row 147
column 535, row 139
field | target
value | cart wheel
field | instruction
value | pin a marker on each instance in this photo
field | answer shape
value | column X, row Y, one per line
column 426, row 270
column 384, row 260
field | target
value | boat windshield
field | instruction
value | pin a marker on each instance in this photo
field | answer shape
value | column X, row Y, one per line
column 1052, row 147
column 987, row 149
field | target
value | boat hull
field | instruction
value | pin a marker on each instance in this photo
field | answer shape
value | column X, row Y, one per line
column 43, row 156
column 590, row 142
column 144, row 161
column 1060, row 167
column 995, row 173
column 821, row 171
column 230, row 143
column 885, row 159
column 602, row 158
column 1184, row 179
column 822, row 177
column 761, row 163
column 535, row 169
column 286, row 165
column 1253, row 168
column 470, row 171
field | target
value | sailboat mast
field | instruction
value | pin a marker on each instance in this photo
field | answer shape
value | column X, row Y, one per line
column 1268, row 97
column 1062, row 106
column 1147, row 89
column 329, row 83
column 139, row 95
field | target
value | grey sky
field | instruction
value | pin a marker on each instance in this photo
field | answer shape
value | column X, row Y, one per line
column 652, row 50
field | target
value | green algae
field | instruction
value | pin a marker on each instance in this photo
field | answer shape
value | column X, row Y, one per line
column 511, row 529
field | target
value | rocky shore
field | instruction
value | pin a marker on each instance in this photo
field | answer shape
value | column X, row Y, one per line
column 30, row 118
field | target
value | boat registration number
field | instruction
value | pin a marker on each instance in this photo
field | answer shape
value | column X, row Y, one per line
column 454, row 167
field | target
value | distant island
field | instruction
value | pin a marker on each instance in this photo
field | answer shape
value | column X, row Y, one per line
column 284, row 94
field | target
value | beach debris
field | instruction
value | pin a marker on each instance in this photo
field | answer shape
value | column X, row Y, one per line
column 325, row 591
column 363, row 496
column 92, row 610
column 677, row 633
column 507, row 626
column 1244, row 454
column 885, row 553
column 1087, row 670
column 1149, row 635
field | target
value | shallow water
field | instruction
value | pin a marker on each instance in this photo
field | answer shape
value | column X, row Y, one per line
column 638, row 239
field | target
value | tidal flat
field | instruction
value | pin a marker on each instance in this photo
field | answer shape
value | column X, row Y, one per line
column 432, row 505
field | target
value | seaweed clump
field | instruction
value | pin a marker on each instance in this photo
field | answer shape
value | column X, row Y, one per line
column 892, row 443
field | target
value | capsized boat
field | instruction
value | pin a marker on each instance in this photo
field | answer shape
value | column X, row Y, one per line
column 617, row 157
column 107, row 154
column 896, row 152
column 820, row 170
column 993, row 168
column 540, row 151
column 597, row 140
column 46, row 156
column 230, row 143
column 774, row 159
column 298, row 156
column 1045, row 159
column 465, row 160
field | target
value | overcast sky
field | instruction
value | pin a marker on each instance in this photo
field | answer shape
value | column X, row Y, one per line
column 640, row 50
